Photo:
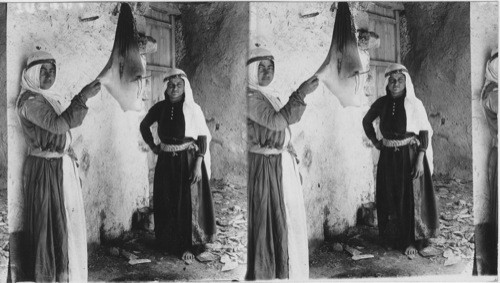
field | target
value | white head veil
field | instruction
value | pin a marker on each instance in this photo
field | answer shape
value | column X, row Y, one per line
column 30, row 80
column 491, row 72
column 256, row 55
column 196, row 124
column 416, row 116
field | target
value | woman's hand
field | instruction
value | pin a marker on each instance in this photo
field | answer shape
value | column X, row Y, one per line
column 418, row 169
column 309, row 85
column 91, row 89
column 196, row 174
column 156, row 149
column 378, row 144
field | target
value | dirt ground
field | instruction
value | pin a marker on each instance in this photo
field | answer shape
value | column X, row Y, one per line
column 4, row 236
column 110, row 261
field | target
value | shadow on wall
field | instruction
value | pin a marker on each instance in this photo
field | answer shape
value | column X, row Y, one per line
column 436, row 51
column 211, row 44
column 3, row 98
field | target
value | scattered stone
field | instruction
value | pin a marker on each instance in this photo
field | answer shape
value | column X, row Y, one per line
column 129, row 256
column 206, row 257
column 114, row 251
column 235, row 208
column 225, row 259
column 448, row 253
column 452, row 260
column 229, row 266
column 214, row 246
column 365, row 256
column 138, row 261
column 429, row 252
column 222, row 223
column 352, row 251
column 338, row 247
column 443, row 191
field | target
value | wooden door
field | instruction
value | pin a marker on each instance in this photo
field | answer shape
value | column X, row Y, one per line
column 160, row 24
column 385, row 22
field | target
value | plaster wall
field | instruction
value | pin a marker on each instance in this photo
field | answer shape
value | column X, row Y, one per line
column 3, row 99
column 484, row 38
column 212, row 40
column 113, row 167
column 436, row 52
column 335, row 159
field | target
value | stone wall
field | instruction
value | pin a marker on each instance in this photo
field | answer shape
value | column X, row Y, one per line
column 3, row 99
column 336, row 162
column 484, row 38
column 113, row 168
column 212, row 40
column 436, row 51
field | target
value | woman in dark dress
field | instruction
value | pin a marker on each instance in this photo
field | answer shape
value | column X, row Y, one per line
column 183, row 208
column 486, row 231
column 406, row 204
column 54, row 217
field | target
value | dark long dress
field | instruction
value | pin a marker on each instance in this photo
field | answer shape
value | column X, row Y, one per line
column 267, row 231
column 406, row 208
column 183, row 214
column 486, row 233
column 46, row 249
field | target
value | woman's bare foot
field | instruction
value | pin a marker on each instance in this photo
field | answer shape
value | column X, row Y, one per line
column 411, row 252
column 188, row 257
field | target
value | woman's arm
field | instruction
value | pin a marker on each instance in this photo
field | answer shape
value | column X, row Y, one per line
column 262, row 112
column 196, row 175
column 418, row 170
column 146, row 123
column 370, row 116
column 39, row 112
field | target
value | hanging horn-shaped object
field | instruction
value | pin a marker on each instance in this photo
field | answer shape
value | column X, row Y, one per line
column 123, row 75
column 340, row 70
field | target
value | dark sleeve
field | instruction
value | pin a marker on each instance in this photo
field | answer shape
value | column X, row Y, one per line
column 490, row 98
column 423, row 137
column 151, row 117
column 370, row 116
column 262, row 112
column 202, row 145
column 39, row 112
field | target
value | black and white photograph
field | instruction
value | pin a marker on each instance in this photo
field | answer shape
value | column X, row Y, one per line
column 248, row 140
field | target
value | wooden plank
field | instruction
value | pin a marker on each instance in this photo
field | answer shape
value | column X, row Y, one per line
column 172, row 42
column 398, row 38
column 166, row 8
column 156, row 22
column 377, row 10
column 379, row 18
column 391, row 5
column 379, row 63
column 157, row 68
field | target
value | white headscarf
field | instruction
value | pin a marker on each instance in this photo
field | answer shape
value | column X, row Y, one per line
column 416, row 116
column 196, row 124
column 256, row 56
column 491, row 72
column 30, row 80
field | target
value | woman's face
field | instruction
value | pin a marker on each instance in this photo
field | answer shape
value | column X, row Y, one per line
column 397, row 84
column 47, row 75
column 175, row 87
column 265, row 72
